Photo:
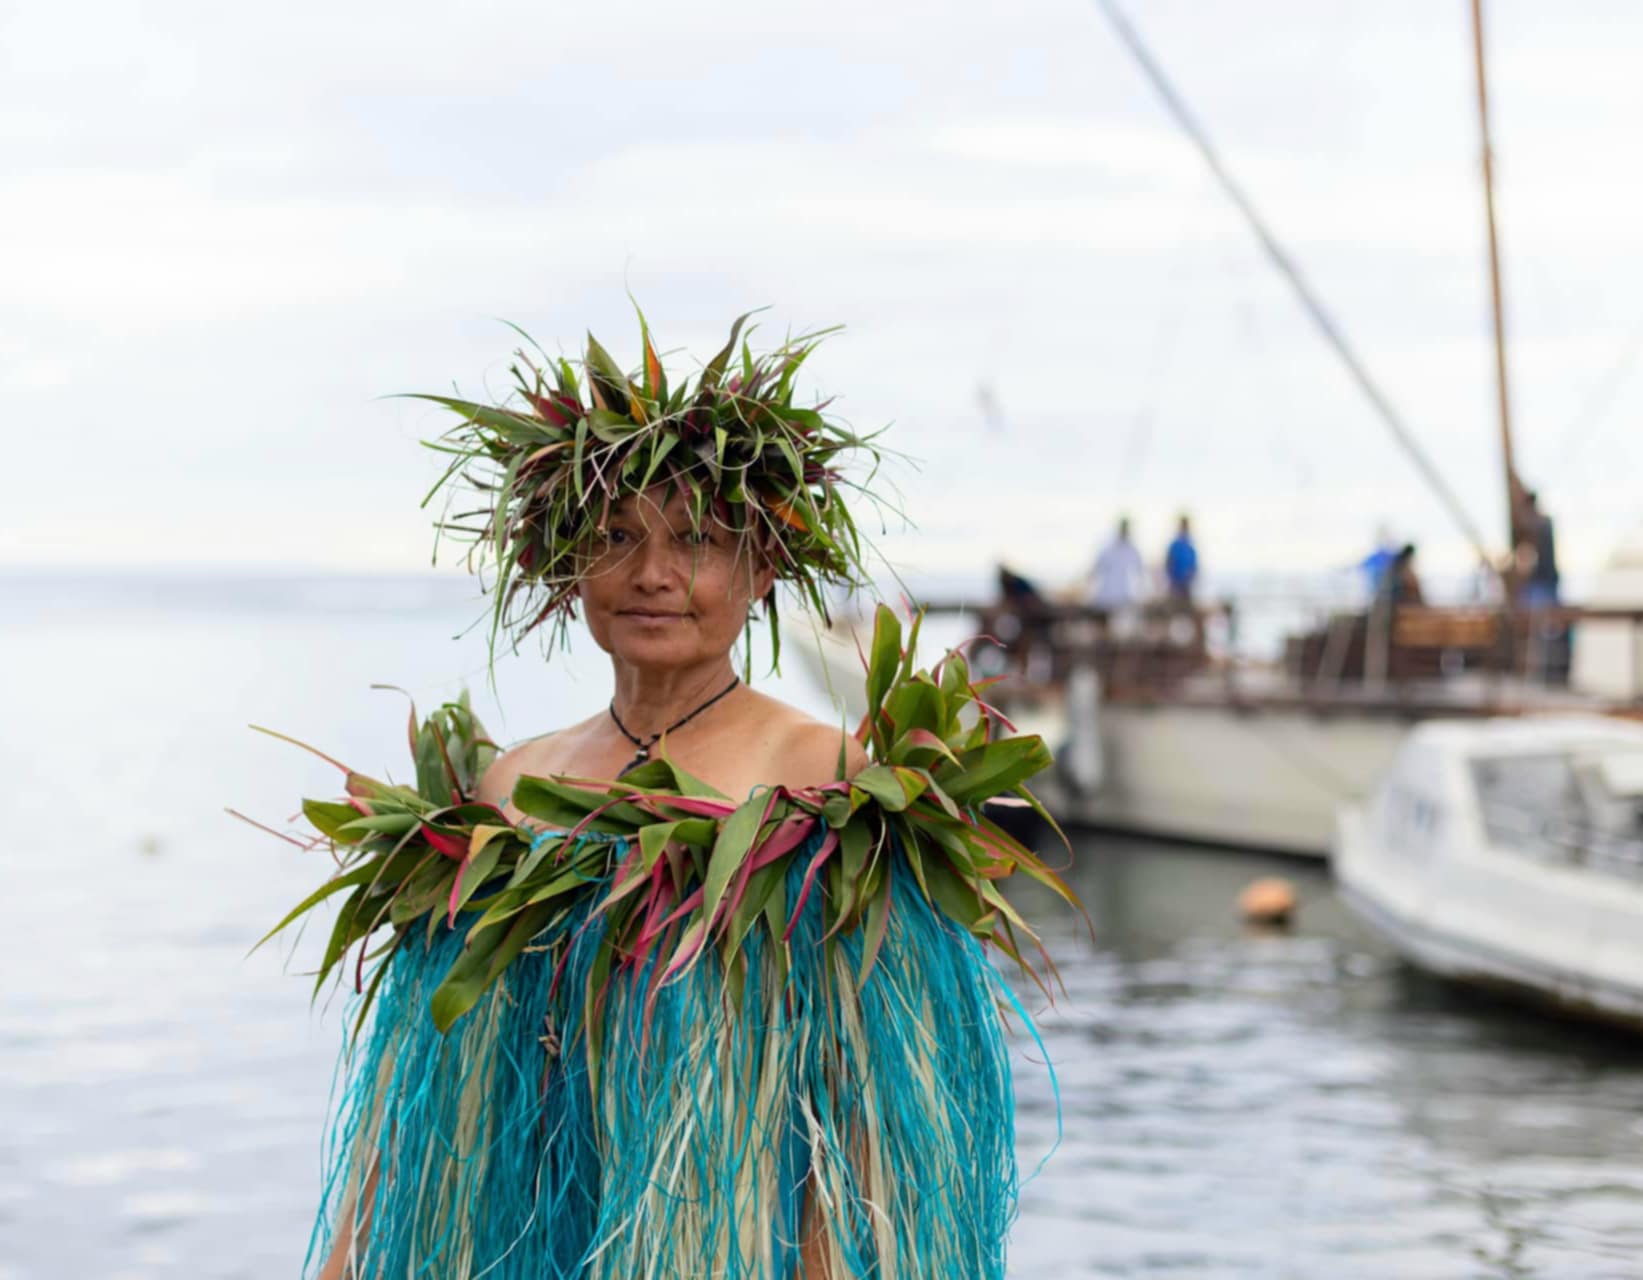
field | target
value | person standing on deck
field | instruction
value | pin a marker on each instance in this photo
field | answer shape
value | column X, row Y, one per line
column 1541, row 591
column 1542, row 585
column 1375, row 565
column 1115, row 584
column 1402, row 585
column 1181, row 564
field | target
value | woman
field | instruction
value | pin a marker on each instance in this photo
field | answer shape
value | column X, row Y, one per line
column 819, row 1089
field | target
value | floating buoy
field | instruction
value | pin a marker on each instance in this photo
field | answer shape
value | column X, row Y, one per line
column 1269, row 900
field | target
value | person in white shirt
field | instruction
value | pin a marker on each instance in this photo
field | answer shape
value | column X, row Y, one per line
column 1119, row 574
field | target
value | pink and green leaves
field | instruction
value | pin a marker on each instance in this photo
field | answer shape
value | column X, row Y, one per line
column 667, row 870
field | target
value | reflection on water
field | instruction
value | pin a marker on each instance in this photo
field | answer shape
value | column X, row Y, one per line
column 1236, row 1104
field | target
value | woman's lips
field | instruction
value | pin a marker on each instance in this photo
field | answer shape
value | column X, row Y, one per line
column 653, row 615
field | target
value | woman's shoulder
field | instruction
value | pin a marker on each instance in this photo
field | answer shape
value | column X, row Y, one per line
column 543, row 754
column 804, row 751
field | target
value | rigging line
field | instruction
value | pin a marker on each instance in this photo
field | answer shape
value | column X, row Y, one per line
column 1160, row 358
column 1276, row 392
column 1588, row 423
column 1287, row 267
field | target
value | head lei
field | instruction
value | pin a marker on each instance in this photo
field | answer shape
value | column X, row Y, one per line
column 549, row 464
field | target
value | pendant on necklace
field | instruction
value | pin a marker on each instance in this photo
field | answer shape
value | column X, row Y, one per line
column 639, row 758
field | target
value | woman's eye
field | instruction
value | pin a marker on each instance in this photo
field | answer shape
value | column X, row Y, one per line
column 616, row 537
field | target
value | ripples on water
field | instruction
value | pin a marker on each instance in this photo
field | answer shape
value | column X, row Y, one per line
column 1299, row 1105
column 1235, row 1104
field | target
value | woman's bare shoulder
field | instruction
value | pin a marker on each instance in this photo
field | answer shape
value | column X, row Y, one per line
column 811, row 754
column 806, row 750
column 546, row 753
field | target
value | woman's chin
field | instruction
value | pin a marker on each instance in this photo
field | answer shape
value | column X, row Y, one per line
column 668, row 645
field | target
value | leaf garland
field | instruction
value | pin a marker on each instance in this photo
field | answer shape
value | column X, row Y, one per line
column 547, row 465
column 693, row 870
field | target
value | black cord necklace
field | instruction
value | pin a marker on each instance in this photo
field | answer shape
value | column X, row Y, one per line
column 644, row 746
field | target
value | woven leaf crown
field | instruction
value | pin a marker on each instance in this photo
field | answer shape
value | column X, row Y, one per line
column 573, row 438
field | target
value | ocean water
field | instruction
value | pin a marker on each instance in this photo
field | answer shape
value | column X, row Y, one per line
column 1233, row 1103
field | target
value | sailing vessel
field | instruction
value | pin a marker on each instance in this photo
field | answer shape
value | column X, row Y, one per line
column 1162, row 737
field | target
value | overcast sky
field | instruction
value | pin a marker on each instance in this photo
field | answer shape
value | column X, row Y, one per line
column 226, row 231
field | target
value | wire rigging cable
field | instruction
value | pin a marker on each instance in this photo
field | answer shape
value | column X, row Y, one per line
column 1321, row 318
column 1588, row 424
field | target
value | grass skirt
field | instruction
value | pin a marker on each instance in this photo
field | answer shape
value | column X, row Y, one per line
column 692, row 1156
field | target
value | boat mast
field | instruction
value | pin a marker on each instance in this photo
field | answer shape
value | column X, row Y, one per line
column 1514, row 486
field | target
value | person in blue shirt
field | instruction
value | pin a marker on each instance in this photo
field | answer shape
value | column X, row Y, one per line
column 1181, row 563
column 1378, row 562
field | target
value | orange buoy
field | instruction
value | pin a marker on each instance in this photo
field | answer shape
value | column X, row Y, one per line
column 1269, row 900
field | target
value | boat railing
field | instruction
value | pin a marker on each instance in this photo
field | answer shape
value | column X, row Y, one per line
column 1136, row 651
column 1535, row 643
column 1147, row 651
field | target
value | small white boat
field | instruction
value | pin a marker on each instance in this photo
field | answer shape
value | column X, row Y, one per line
column 1510, row 853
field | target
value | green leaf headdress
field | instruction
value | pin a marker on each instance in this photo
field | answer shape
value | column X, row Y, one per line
column 549, row 463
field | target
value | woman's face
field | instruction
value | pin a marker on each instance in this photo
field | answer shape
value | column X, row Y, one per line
column 659, row 594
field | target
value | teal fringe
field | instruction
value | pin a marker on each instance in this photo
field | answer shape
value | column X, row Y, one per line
column 890, row 1108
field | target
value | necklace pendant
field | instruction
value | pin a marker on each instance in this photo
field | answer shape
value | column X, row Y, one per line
column 643, row 753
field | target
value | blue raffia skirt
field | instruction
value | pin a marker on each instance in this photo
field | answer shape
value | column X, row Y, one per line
column 887, row 1107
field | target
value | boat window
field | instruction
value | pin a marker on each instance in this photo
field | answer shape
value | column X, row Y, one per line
column 1580, row 807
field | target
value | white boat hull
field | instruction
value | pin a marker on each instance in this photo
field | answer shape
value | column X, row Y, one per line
column 1271, row 778
column 1418, row 862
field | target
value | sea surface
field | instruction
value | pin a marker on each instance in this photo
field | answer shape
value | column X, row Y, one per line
column 1233, row 1103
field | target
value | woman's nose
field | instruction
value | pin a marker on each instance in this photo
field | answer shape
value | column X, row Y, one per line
column 652, row 563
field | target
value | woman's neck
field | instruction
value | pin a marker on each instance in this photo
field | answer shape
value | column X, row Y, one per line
column 650, row 699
